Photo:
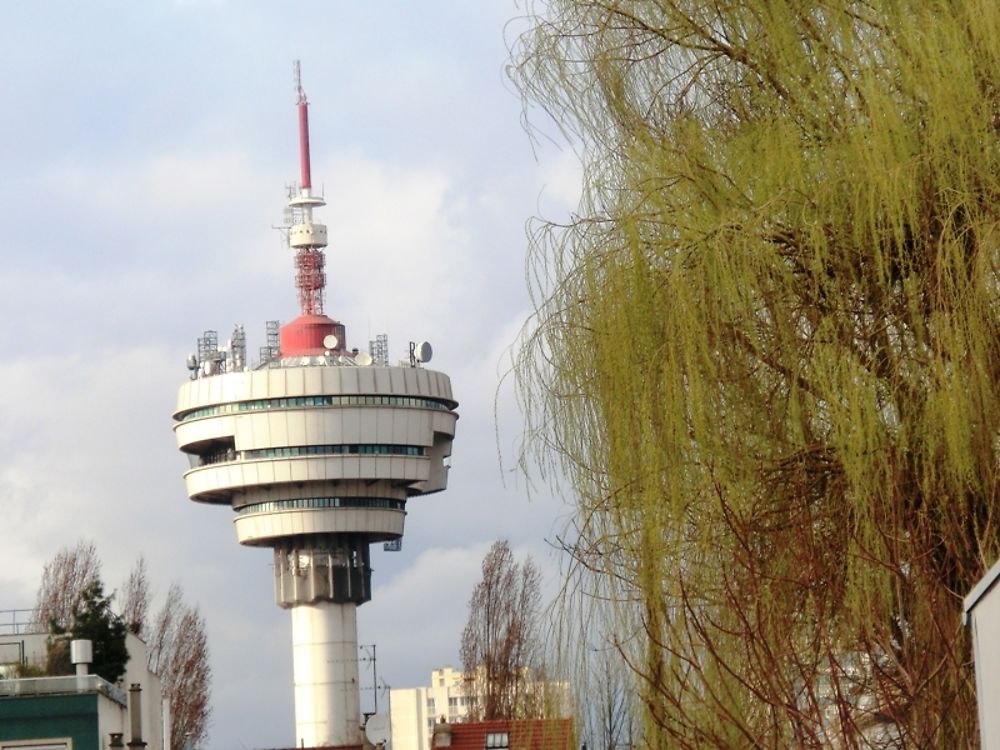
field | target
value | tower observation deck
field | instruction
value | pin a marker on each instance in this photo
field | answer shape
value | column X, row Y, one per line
column 318, row 449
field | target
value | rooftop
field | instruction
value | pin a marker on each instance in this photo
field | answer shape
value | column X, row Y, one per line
column 506, row 734
column 67, row 685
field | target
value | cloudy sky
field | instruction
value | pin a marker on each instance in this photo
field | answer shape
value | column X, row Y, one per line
column 145, row 149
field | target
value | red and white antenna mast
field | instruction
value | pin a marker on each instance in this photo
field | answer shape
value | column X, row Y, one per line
column 305, row 237
column 303, row 105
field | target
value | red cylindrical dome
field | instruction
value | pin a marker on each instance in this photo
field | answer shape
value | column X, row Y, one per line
column 304, row 336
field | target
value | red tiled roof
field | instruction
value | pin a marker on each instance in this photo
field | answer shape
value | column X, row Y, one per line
column 524, row 734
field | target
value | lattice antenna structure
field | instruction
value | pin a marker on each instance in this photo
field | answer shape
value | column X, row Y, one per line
column 237, row 358
column 305, row 237
column 378, row 348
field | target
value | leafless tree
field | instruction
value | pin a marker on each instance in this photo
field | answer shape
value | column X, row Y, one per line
column 176, row 639
column 64, row 578
column 178, row 652
column 135, row 599
column 500, row 645
column 608, row 709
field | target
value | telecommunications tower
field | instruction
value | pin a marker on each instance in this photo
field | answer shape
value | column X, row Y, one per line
column 317, row 448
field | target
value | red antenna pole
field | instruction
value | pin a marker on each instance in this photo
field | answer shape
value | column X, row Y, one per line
column 303, row 104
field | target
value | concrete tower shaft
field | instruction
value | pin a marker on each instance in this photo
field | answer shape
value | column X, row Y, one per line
column 318, row 450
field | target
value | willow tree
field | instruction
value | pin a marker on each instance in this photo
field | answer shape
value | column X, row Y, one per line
column 766, row 352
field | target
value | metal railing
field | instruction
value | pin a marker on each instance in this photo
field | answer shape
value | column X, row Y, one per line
column 20, row 622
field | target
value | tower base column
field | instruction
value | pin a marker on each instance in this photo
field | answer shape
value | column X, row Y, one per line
column 325, row 666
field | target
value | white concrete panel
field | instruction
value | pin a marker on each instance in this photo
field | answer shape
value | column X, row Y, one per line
column 206, row 428
column 265, row 471
column 227, row 477
column 350, row 425
column 251, row 475
column 415, row 428
column 368, row 427
column 366, row 379
column 259, row 384
column 383, row 383
column 312, row 380
column 333, row 430
column 299, row 469
column 295, row 381
column 384, row 424
column 264, row 527
column 276, row 432
column 410, row 379
column 278, row 385
column 282, row 470
column 332, row 380
column 349, row 380
column 397, row 380
column 423, row 380
column 296, row 421
column 311, row 420
column 314, row 471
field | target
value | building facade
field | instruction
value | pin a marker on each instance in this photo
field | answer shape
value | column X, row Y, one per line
column 414, row 711
column 75, row 712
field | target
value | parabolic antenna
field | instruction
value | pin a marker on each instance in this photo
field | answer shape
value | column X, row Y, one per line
column 377, row 729
column 330, row 341
column 423, row 352
column 363, row 358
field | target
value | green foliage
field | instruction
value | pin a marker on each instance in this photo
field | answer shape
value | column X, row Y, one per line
column 767, row 354
column 94, row 620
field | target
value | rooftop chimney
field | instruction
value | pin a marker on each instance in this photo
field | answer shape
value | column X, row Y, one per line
column 81, row 653
column 135, row 714
column 442, row 734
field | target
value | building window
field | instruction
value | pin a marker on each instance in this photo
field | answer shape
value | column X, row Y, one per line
column 453, row 703
column 497, row 740
column 430, row 706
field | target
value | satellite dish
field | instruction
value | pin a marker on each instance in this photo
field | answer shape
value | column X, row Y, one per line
column 423, row 352
column 377, row 729
column 363, row 358
column 330, row 341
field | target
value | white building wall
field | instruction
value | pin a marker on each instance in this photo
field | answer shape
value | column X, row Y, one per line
column 982, row 612
column 414, row 710
column 407, row 714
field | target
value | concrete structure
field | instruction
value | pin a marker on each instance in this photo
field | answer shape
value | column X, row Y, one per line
column 982, row 612
column 317, row 449
column 75, row 712
column 414, row 711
